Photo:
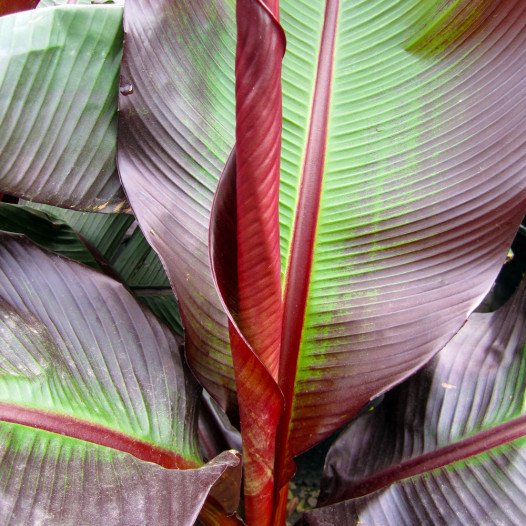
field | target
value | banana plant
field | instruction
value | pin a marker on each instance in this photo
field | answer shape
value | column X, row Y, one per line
column 375, row 178
column 331, row 186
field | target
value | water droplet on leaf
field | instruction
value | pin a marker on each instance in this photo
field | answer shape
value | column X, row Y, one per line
column 126, row 89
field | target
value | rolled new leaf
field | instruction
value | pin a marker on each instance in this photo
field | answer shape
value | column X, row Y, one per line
column 446, row 447
column 260, row 401
column 58, row 92
column 259, row 52
column 91, row 382
column 246, row 258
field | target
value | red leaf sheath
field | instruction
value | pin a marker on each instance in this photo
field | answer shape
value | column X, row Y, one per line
column 260, row 48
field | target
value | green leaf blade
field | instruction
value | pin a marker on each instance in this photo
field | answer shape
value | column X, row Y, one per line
column 415, row 168
column 96, row 340
column 48, row 232
column 104, row 231
column 58, row 89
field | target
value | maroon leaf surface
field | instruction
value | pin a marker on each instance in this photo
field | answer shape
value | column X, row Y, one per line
column 260, row 48
column 176, row 130
column 48, row 479
column 446, row 447
column 245, row 251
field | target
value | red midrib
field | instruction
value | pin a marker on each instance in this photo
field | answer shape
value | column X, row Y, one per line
column 94, row 433
column 474, row 445
column 302, row 245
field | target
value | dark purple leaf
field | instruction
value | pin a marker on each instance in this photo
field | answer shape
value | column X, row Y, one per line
column 49, row 479
column 446, row 447
column 176, row 130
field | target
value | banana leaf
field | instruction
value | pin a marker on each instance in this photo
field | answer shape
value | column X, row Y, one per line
column 446, row 447
column 101, row 241
column 98, row 415
column 401, row 185
column 59, row 71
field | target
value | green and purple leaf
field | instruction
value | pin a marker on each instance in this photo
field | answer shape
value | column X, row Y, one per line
column 92, row 383
column 419, row 149
column 58, row 121
column 446, row 447
column 52, row 479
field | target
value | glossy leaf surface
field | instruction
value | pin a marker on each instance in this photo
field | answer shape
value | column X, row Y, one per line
column 92, row 383
column 176, row 130
column 446, row 447
column 58, row 87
